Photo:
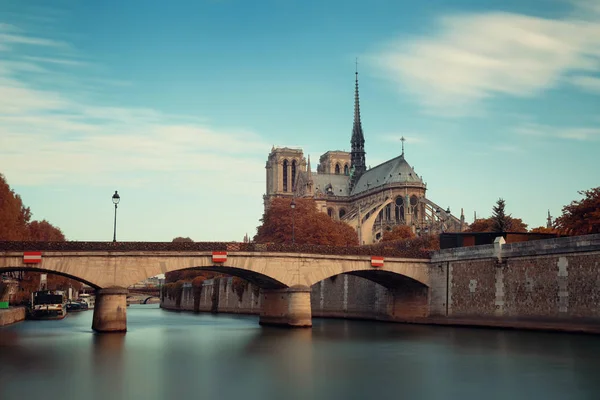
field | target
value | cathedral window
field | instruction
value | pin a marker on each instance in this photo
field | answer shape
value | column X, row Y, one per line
column 399, row 210
column 414, row 201
column 337, row 169
column 330, row 212
column 285, row 175
column 293, row 175
column 342, row 213
column 346, row 170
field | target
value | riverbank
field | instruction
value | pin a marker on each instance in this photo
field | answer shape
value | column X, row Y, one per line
column 351, row 297
column 12, row 315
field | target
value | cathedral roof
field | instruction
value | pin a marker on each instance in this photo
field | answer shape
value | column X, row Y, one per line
column 396, row 170
column 339, row 184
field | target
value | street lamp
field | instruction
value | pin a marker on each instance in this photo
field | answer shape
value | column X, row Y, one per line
column 293, row 206
column 116, row 198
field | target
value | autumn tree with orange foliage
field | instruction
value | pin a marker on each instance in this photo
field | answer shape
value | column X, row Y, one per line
column 487, row 225
column 581, row 217
column 399, row 232
column 14, row 216
column 15, row 225
column 310, row 225
column 543, row 229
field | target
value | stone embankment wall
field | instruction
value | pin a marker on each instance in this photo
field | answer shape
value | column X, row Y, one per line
column 553, row 284
column 12, row 315
column 547, row 284
column 344, row 296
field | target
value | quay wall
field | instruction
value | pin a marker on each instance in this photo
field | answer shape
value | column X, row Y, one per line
column 544, row 284
column 344, row 296
column 549, row 284
column 12, row 315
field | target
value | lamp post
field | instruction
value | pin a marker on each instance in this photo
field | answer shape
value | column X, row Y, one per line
column 116, row 198
column 293, row 206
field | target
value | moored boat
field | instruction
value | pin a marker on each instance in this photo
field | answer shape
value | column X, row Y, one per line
column 87, row 299
column 48, row 304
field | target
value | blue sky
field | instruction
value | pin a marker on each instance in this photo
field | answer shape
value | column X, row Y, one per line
column 177, row 106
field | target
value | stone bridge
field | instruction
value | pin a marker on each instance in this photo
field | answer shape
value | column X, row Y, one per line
column 285, row 277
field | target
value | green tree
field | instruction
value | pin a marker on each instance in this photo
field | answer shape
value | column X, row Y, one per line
column 499, row 217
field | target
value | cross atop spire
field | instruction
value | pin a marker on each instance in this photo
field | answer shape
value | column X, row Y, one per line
column 402, row 140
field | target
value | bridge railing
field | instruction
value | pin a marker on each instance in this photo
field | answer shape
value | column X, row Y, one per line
column 413, row 248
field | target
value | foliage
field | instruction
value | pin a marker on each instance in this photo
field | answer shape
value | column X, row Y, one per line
column 481, row 225
column 44, row 232
column 416, row 247
column 14, row 216
column 239, row 286
column 499, row 218
column 180, row 239
column 310, row 225
column 188, row 275
column 581, row 217
column 486, row 225
column 173, row 291
column 543, row 229
column 15, row 225
column 399, row 232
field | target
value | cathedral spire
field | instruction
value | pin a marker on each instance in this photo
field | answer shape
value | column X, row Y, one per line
column 357, row 156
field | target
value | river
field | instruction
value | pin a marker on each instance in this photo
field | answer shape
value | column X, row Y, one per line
column 169, row 355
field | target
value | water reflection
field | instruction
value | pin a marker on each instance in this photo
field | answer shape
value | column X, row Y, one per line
column 179, row 355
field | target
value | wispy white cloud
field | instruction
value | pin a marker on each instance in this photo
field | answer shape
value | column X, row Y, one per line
column 60, row 61
column 67, row 140
column 586, row 82
column 568, row 133
column 474, row 56
column 6, row 39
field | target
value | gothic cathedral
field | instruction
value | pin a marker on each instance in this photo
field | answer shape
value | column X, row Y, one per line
column 370, row 200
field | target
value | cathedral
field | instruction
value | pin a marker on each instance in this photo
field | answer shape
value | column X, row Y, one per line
column 371, row 200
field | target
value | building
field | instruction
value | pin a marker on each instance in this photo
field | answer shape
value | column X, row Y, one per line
column 370, row 200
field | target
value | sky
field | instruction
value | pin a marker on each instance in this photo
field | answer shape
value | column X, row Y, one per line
column 176, row 105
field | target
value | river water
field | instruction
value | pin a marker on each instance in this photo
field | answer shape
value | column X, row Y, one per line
column 168, row 355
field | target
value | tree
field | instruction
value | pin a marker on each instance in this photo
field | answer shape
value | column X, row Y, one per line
column 400, row 232
column 14, row 216
column 581, row 217
column 182, row 239
column 516, row 225
column 499, row 220
column 44, row 232
column 481, row 225
column 543, row 229
column 310, row 226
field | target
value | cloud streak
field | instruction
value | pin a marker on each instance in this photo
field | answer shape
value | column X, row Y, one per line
column 476, row 56
column 53, row 137
column 583, row 134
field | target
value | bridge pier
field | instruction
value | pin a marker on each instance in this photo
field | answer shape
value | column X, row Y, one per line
column 110, row 310
column 286, row 307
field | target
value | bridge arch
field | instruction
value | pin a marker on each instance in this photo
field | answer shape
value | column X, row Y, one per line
column 258, row 279
column 50, row 271
column 150, row 297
